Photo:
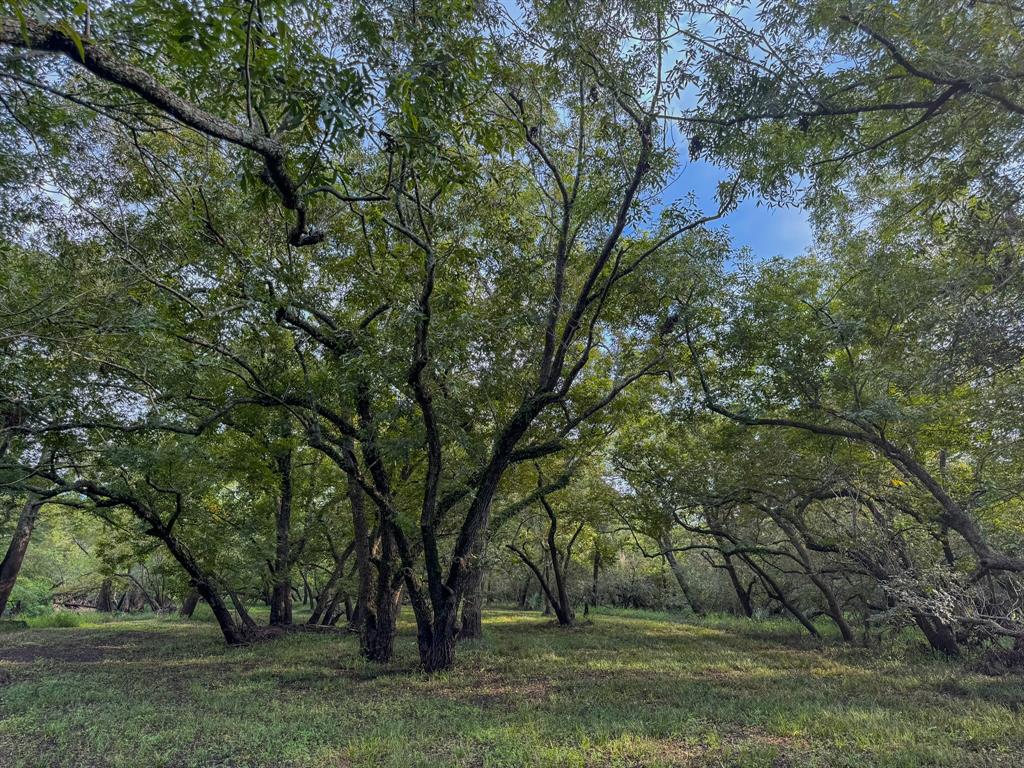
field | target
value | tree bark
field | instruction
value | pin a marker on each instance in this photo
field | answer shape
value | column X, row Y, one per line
column 597, row 571
column 363, row 548
column 563, row 611
column 243, row 613
column 11, row 565
column 377, row 635
column 940, row 636
column 439, row 652
column 560, row 566
column 544, row 592
column 472, row 627
column 524, row 593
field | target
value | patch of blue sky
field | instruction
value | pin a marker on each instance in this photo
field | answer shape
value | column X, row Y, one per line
column 766, row 230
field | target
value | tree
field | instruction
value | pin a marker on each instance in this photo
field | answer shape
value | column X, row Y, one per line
column 434, row 245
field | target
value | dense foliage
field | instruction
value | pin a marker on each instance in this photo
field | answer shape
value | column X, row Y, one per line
column 376, row 304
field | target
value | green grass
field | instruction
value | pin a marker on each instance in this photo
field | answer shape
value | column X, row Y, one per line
column 620, row 691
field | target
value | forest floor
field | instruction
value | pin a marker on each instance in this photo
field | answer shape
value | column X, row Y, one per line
column 621, row 690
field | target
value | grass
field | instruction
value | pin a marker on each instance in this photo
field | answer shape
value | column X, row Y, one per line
column 622, row 690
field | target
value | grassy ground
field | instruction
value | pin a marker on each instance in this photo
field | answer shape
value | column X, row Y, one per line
column 620, row 691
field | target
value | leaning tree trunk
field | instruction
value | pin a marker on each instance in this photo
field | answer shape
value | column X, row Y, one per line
column 243, row 613
column 680, row 574
column 774, row 590
column 11, row 565
column 560, row 602
column 188, row 605
column 233, row 633
column 204, row 585
column 940, row 636
column 341, row 605
column 742, row 595
column 796, row 537
column 835, row 610
column 281, row 595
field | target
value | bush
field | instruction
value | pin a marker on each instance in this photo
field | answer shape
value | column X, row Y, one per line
column 30, row 597
column 59, row 619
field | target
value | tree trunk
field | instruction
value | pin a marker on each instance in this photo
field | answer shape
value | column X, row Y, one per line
column 11, row 565
column 233, row 633
column 202, row 583
column 742, row 595
column 105, row 599
column 597, row 570
column 774, row 590
column 940, row 636
column 281, row 596
column 377, row 640
column 377, row 635
column 140, row 594
column 680, row 574
column 835, row 611
column 242, row 611
column 524, row 593
column 563, row 608
column 327, row 601
column 363, row 545
column 472, row 627
column 544, row 592
column 559, row 603
column 437, row 652
column 796, row 538
column 188, row 606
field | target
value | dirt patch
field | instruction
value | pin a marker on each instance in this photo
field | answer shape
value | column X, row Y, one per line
column 87, row 650
column 27, row 654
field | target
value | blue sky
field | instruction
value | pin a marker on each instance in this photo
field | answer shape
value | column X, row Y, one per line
column 769, row 231
column 766, row 230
